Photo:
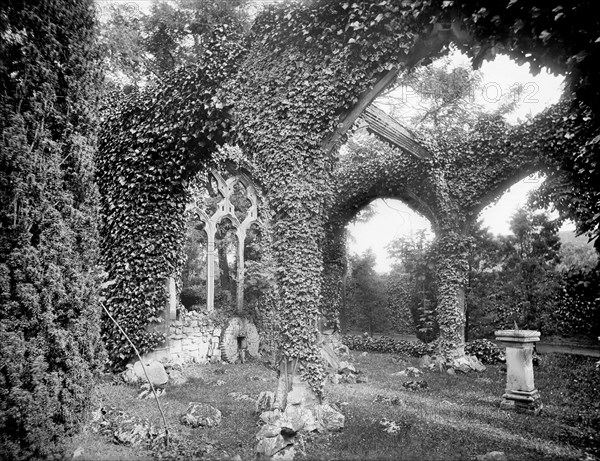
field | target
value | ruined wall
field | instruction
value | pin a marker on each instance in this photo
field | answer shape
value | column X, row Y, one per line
column 191, row 338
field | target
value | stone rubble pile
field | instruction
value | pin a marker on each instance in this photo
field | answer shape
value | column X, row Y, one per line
column 276, row 437
column 461, row 364
column 159, row 374
column 346, row 373
column 335, row 355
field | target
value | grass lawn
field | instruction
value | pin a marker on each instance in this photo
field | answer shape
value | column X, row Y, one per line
column 456, row 417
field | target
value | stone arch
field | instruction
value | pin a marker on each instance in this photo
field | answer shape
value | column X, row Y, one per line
column 384, row 172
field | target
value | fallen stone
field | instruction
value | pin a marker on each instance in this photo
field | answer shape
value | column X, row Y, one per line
column 146, row 392
column 269, row 446
column 346, row 367
column 342, row 349
column 173, row 364
column 395, row 400
column 270, row 416
column 400, row 362
column 389, row 426
column 155, row 371
column 462, row 368
column 294, row 418
column 268, row 430
column 131, row 432
column 329, row 418
column 415, row 385
column 413, row 372
column 466, row 364
column 241, row 397
column 492, row 456
column 451, row 371
column 410, row 371
column 475, row 363
column 287, row 454
column 309, row 420
column 176, row 377
column 129, row 376
column 78, row 453
column 349, row 378
column 364, row 354
column 424, row 362
column 201, row 415
column 335, row 378
column 361, row 378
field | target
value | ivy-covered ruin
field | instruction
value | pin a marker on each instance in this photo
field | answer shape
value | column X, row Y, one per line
column 287, row 95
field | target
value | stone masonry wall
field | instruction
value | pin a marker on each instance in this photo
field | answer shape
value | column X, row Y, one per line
column 191, row 338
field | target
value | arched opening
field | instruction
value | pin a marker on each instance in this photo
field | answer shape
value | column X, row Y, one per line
column 387, row 290
column 221, row 213
column 226, row 265
column 194, row 272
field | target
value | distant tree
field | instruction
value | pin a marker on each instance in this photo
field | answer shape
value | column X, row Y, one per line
column 399, row 289
column 366, row 294
column 575, row 255
column 577, row 312
column 483, row 281
column 530, row 256
column 514, row 278
column 442, row 97
column 414, row 258
column 140, row 47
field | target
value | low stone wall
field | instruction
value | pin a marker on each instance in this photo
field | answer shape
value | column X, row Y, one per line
column 192, row 338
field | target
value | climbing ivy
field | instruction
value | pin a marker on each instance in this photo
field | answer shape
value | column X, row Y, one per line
column 151, row 143
column 280, row 96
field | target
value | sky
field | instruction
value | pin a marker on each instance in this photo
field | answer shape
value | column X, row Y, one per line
column 394, row 219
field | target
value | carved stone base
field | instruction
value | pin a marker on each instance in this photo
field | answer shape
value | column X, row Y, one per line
column 522, row 401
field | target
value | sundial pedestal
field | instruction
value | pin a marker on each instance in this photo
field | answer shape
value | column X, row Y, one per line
column 521, row 394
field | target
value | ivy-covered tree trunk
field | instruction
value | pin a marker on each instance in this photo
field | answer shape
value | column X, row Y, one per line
column 451, row 271
column 297, row 232
column 49, row 319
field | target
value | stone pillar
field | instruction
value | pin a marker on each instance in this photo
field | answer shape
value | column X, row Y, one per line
column 241, row 235
column 521, row 394
column 172, row 306
column 210, row 269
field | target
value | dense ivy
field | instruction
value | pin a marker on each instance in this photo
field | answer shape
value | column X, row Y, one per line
column 485, row 350
column 151, row 144
column 305, row 67
column 50, row 348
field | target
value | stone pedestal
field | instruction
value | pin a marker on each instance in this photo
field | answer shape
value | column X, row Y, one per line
column 521, row 394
